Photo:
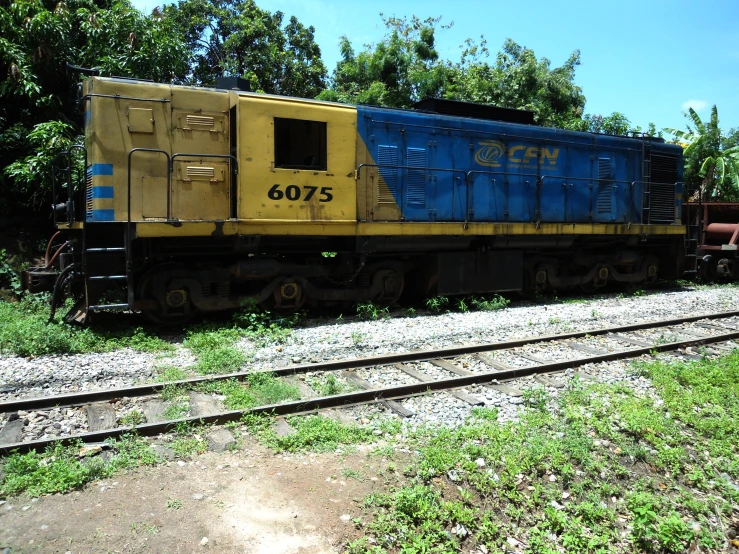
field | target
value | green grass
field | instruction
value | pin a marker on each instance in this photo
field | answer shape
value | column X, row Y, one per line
column 188, row 440
column 178, row 401
column 26, row 331
column 329, row 385
column 258, row 389
column 61, row 469
column 316, row 433
column 170, row 373
column 370, row 311
column 214, row 343
column 598, row 469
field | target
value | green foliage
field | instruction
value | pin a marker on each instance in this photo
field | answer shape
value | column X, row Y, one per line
column 133, row 418
column 188, row 440
column 316, row 433
column 369, row 310
column 61, row 468
column 256, row 390
column 401, row 69
column 38, row 109
column 9, row 279
column 491, row 303
column 328, row 385
column 171, row 373
column 518, row 79
column 26, row 331
column 404, row 67
column 436, row 304
column 560, row 478
column 711, row 158
column 236, row 37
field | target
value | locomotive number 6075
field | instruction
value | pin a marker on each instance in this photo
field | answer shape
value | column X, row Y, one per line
column 294, row 192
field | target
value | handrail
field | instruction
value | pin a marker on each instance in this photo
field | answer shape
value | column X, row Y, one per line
column 70, row 209
column 415, row 168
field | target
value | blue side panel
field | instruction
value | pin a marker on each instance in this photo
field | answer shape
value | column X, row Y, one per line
column 101, row 169
column 102, row 191
column 448, row 168
column 103, row 215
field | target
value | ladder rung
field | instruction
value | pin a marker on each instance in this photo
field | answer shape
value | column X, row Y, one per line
column 107, row 278
column 102, row 307
column 112, row 249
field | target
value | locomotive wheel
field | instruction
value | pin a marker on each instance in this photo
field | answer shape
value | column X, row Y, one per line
column 393, row 285
column 161, row 315
column 287, row 298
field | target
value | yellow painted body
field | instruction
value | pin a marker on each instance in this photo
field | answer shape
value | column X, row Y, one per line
column 258, row 174
column 188, row 123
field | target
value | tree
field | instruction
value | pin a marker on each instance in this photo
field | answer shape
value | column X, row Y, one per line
column 404, row 67
column 616, row 124
column 711, row 159
column 237, row 38
column 401, row 69
column 38, row 106
column 519, row 80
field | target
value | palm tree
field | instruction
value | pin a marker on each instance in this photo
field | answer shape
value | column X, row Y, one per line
column 705, row 158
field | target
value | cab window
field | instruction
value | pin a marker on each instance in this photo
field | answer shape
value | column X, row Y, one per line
column 300, row 144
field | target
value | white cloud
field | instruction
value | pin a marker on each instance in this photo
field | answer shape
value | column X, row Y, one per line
column 697, row 105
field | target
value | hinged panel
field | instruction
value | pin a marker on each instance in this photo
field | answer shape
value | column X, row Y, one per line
column 140, row 120
column 198, row 132
column 200, row 190
column 154, row 197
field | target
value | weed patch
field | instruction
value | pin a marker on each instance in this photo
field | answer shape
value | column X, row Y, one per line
column 600, row 468
column 256, row 390
column 316, row 433
column 26, row 331
column 61, row 468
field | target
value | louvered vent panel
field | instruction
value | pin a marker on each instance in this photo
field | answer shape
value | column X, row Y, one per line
column 664, row 169
column 604, row 198
column 604, row 168
column 416, row 192
column 200, row 171
column 386, row 191
column 200, row 121
column 662, row 203
column 662, row 189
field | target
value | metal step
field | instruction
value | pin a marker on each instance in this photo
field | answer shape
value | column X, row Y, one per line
column 107, row 278
column 105, row 250
column 103, row 307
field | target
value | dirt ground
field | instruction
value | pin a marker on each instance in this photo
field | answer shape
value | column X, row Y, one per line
column 251, row 501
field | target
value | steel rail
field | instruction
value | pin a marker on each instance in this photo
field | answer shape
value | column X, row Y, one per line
column 365, row 396
column 77, row 399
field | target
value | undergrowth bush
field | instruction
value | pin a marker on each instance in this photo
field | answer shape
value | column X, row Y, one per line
column 25, row 330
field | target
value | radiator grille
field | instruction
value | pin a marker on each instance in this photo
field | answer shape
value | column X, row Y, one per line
column 662, row 203
column 662, row 188
column 664, row 169
column 416, row 191
column 388, row 185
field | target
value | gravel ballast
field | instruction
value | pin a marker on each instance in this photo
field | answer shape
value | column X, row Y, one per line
column 344, row 338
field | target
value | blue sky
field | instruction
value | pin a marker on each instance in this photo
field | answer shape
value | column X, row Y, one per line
column 648, row 59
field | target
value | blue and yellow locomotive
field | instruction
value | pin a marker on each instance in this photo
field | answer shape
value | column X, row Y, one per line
column 197, row 199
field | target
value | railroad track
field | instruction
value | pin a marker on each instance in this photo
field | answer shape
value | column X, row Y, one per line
column 456, row 370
